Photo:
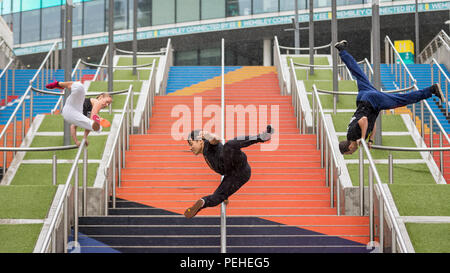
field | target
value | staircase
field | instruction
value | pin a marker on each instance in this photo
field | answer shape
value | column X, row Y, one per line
column 422, row 73
column 284, row 207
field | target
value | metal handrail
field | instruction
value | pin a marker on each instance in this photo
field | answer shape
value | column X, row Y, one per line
column 429, row 47
column 11, row 60
column 119, row 144
column 102, row 60
column 277, row 62
column 35, row 149
column 27, row 95
column 166, row 66
column 139, row 53
column 302, row 114
column 354, row 93
column 125, row 66
column 328, row 158
column 305, row 48
column 89, row 94
column 384, row 203
column 447, row 81
column 323, row 66
column 63, row 203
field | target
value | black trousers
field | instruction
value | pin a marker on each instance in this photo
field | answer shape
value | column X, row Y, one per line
column 237, row 170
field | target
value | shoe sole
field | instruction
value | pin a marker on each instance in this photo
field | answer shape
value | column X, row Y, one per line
column 343, row 43
column 192, row 211
column 441, row 95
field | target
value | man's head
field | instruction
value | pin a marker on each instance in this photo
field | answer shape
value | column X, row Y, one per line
column 196, row 142
column 348, row 147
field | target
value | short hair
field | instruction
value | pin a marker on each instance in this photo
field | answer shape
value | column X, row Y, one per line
column 344, row 146
column 194, row 135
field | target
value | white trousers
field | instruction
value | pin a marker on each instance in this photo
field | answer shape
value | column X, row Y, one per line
column 73, row 108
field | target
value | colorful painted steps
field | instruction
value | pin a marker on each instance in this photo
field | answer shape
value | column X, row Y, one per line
column 284, row 207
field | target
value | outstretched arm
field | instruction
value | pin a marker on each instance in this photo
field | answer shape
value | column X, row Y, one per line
column 363, row 124
column 65, row 84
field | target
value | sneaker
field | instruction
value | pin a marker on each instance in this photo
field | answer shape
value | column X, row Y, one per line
column 267, row 135
column 341, row 45
column 53, row 85
column 437, row 91
column 192, row 211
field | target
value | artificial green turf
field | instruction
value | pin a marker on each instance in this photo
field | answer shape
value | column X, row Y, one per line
column 389, row 123
column 327, row 101
column 128, row 75
column 429, row 237
column 328, row 85
column 55, row 123
column 43, row 173
column 119, row 101
column 305, row 60
column 403, row 174
column 25, row 202
column 421, row 200
column 395, row 141
column 102, row 86
column 319, row 74
column 125, row 61
column 95, row 148
column 19, row 238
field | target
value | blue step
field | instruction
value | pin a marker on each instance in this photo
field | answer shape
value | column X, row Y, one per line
column 422, row 74
column 184, row 76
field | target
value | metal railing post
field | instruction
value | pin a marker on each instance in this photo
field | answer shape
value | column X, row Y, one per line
column 361, row 181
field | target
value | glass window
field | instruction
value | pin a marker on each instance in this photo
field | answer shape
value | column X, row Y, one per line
column 120, row 14
column 30, row 5
column 212, row 9
column 210, row 56
column 144, row 13
column 94, row 16
column 165, row 12
column 264, row 6
column 51, row 3
column 77, row 19
column 51, row 23
column 186, row 57
column 188, row 10
column 6, row 6
column 322, row 3
column 239, row 7
column 30, row 26
column 16, row 5
column 286, row 5
column 16, row 27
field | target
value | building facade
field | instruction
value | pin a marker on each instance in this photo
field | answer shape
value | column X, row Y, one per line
column 196, row 26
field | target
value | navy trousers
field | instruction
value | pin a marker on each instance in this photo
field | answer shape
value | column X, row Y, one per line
column 380, row 100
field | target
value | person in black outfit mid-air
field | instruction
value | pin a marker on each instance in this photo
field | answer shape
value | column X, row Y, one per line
column 226, row 159
column 370, row 102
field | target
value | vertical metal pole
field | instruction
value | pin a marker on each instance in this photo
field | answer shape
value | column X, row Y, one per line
column 296, row 29
column 441, row 154
column 110, row 44
column 75, row 203
column 391, row 168
column 361, row 181
column 394, row 242
column 5, row 162
column 311, row 36
column 116, row 152
column 376, row 62
column 55, row 161
column 381, row 218
column 223, row 215
column 416, row 23
column 371, row 222
column 327, row 165
column 67, row 63
column 66, row 223
column 135, row 3
column 334, row 39
column 85, row 172
column 422, row 124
